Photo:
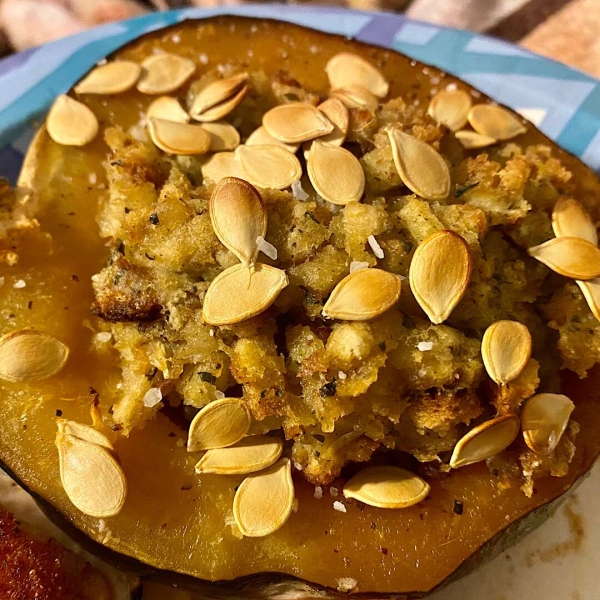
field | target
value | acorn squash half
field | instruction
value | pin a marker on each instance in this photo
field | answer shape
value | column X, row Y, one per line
column 174, row 520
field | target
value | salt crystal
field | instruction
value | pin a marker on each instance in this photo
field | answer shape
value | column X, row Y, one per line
column 92, row 178
column 253, row 28
column 424, row 346
column 342, row 375
column 297, row 465
column 103, row 336
column 377, row 251
column 101, row 526
column 451, row 87
column 219, row 394
column 357, row 265
column 176, row 38
column 337, row 505
column 333, row 491
column 101, row 62
column 298, row 192
column 211, row 333
column 152, row 397
column 346, row 584
column 19, row 285
column 250, row 53
column 266, row 248
column 318, row 492
column 313, row 49
column 434, row 80
column 203, row 58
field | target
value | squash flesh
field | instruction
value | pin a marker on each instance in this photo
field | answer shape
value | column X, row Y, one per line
column 185, row 529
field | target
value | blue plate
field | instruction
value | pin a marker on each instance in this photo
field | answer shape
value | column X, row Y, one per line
column 562, row 102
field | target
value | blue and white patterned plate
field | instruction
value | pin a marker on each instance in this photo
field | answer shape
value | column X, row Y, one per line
column 562, row 102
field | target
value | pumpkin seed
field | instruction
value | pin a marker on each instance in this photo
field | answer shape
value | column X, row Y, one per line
column 261, row 137
column 168, row 109
column 219, row 424
column 569, row 256
column 179, row 138
column 253, row 453
column 71, row 123
column 471, row 140
column 485, row 441
column 263, row 501
column 570, row 219
column 495, row 121
column 505, row 349
column 164, row 73
column 216, row 92
column 335, row 173
column 421, row 168
column 387, row 487
column 220, row 165
column 591, row 292
column 30, row 355
column 296, row 122
column 346, row 68
column 224, row 136
column 269, row 167
column 439, row 273
column 238, row 217
column 221, row 110
column 84, row 432
column 450, row 108
column 91, row 477
column 356, row 96
column 112, row 78
column 337, row 113
column 362, row 295
column 544, row 419
column 238, row 294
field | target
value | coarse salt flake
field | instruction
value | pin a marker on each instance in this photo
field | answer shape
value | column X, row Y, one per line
column 339, row 506
column 377, row 250
column 342, row 375
column 333, row 491
column 266, row 247
column 92, row 178
column 103, row 336
column 176, row 38
column 219, row 394
column 19, row 285
column 424, row 346
column 357, row 265
column 298, row 192
column 451, row 87
column 346, row 584
column 152, row 397
column 318, row 492
column 203, row 58
column 297, row 465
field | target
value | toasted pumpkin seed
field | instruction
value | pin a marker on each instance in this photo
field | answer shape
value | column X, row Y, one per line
column 219, row 424
column 238, row 294
column 296, row 122
column 30, row 355
column 164, row 73
column 263, row 501
column 71, row 123
column 591, row 292
column 421, row 168
column 569, row 256
column 91, row 477
column 335, row 173
column 224, row 136
column 168, row 109
column 238, row 216
column 356, row 96
column 216, row 92
column 346, row 68
column 261, row 137
column 337, row 113
column 269, row 167
column 450, row 108
column 220, row 165
column 363, row 295
column 253, row 453
column 570, row 219
column 505, row 349
column 485, row 441
column 387, row 487
column 112, row 78
column 179, row 138
column 83, row 432
column 221, row 110
column 439, row 273
column 495, row 122
column 471, row 140
column 544, row 419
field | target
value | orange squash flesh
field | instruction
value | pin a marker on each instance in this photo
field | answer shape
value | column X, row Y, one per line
column 173, row 519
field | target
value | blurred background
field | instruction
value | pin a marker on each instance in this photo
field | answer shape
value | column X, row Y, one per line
column 566, row 30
